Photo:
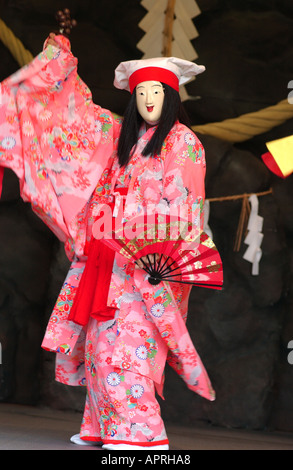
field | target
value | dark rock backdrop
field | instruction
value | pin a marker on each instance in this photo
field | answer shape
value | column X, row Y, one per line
column 241, row 332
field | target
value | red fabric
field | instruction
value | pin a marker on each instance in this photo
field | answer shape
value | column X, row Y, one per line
column 1, row 179
column 89, row 438
column 142, row 444
column 153, row 73
column 92, row 293
column 271, row 163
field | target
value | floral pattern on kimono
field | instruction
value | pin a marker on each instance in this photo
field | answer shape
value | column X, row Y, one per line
column 121, row 406
column 62, row 148
column 55, row 139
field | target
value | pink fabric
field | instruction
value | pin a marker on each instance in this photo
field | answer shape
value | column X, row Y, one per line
column 165, row 314
column 54, row 138
column 158, row 182
column 133, row 414
column 62, row 148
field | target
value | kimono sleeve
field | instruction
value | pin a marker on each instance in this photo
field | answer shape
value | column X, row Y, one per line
column 171, row 326
column 184, row 177
column 49, row 136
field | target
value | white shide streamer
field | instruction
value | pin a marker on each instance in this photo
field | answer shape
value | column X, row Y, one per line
column 254, row 236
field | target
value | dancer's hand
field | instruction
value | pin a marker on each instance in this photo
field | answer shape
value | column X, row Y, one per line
column 52, row 41
column 150, row 259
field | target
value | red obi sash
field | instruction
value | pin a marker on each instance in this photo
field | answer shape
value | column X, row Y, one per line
column 92, row 293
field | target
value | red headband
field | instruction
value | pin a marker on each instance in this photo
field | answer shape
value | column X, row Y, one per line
column 153, row 73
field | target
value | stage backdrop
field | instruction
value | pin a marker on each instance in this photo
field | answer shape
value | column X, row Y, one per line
column 242, row 332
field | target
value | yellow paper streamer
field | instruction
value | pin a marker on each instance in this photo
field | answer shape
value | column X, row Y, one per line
column 282, row 151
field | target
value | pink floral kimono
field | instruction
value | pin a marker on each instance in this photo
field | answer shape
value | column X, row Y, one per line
column 63, row 149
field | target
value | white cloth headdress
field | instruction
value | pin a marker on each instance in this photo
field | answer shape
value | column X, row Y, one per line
column 170, row 70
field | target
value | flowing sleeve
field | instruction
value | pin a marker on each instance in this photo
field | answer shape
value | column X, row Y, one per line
column 184, row 177
column 52, row 135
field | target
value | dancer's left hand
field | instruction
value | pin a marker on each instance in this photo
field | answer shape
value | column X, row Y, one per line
column 150, row 259
column 52, row 41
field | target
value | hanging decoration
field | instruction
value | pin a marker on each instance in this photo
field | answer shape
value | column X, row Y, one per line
column 254, row 236
column 279, row 159
column 169, row 29
column 65, row 22
column 249, row 226
column 242, row 224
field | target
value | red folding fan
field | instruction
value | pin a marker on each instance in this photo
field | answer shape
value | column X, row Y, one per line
column 182, row 253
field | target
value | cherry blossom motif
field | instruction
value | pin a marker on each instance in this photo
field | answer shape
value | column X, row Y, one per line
column 189, row 138
column 8, row 142
column 157, row 310
column 80, row 180
column 113, row 379
column 198, row 265
column 28, row 129
column 45, row 115
column 141, row 352
column 137, row 391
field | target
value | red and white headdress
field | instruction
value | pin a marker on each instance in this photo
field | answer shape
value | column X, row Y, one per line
column 170, row 70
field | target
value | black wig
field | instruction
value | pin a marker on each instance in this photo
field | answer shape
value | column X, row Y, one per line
column 172, row 111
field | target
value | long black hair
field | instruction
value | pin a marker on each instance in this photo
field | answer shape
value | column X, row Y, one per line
column 172, row 111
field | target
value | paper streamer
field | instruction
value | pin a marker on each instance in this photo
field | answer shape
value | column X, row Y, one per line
column 254, row 236
column 282, row 152
column 206, row 227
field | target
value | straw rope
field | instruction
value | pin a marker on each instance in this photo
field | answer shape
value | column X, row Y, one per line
column 15, row 46
column 249, row 125
column 239, row 196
